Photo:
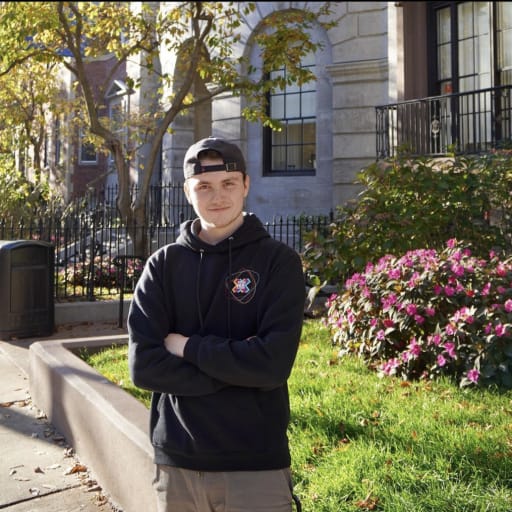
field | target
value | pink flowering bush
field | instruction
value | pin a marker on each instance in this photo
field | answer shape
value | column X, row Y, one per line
column 428, row 314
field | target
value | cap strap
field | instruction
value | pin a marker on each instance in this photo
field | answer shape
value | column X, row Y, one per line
column 229, row 166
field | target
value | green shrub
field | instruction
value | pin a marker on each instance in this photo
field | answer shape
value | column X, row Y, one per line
column 22, row 200
column 428, row 314
column 409, row 204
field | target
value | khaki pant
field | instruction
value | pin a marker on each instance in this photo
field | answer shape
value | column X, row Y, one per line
column 182, row 490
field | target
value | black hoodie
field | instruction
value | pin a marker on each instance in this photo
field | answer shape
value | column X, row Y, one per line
column 224, row 406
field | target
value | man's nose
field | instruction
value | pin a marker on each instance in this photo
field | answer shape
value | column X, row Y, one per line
column 217, row 193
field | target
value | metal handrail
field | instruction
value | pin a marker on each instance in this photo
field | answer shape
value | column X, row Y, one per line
column 460, row 123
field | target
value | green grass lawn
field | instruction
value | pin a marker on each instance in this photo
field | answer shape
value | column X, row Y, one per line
column 362, row 443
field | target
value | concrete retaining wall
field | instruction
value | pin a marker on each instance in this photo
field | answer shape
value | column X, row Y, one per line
column 95, row 311
column 107, row 427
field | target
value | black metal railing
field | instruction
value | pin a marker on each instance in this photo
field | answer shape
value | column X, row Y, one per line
column 166, row 203
column 94, row 255
column 463, row 123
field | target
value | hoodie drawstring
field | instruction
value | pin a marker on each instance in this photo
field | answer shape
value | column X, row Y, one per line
column 198, row 283
column 230, row 240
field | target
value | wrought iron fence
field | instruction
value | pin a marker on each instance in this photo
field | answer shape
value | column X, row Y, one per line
column 463, row 123
column 94, row 255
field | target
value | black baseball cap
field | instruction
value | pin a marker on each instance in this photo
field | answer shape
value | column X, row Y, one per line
column 229, row 152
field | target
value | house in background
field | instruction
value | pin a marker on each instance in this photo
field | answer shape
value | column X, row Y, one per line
column 431, row 77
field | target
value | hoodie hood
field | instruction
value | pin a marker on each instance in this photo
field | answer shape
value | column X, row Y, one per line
column 250, row 231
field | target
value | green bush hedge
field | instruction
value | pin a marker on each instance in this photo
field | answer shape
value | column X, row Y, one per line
column 409, row 204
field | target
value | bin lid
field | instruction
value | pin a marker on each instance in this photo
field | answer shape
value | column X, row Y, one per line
column 13, row 244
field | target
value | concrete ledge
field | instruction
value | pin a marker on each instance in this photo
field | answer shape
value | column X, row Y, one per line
column 106, row 426
column 100, row 311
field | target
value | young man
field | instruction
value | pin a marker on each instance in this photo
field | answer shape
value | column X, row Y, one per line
column 214, row 329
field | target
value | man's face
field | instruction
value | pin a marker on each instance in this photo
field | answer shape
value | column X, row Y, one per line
column 217, row 197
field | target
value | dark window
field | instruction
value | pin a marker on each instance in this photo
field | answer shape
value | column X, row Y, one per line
column 292, row 150
column 88, row 153
column 472, row 44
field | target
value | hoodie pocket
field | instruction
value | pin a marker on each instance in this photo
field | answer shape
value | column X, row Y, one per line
column 229, row 421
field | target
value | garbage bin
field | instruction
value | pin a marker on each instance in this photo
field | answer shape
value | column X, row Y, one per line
column 26, row 290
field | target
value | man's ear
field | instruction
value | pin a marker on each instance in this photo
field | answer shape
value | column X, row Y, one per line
column 247, row 183
column 185, row 189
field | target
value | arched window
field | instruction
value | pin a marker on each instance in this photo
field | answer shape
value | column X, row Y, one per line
column 292, row 150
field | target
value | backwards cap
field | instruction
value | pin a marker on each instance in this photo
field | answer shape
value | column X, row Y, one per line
column 229, row 152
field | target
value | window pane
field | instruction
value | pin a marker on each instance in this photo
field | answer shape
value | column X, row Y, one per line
column 292, row 105
column 465, row 20
column 291, row 89
column 467, row 84
column 309, row 86
column 276, row 74
column 466, row 57
column 278, row 158
column 309, row 156
column 294, row 160
column 87, row 152
column 443, row 25
column 308, row 104
column 504, row 15
column 308, row 60
column 504, row 37
column 482, row 22
column 484, row 81
column 279, row 137
column 445, row 62
column 294, row 133
column 484, row 54
column 277, row 107
column 309, row 132
column 505, row 49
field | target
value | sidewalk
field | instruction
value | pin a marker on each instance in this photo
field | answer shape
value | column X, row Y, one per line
column 38, row 469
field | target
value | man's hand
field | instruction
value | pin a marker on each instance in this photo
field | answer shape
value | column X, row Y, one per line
column 175, row 343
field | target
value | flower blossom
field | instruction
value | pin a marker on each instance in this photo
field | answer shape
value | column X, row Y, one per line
column 473, row 375
column 419, row 319
column 411, row 309
column 388, row 322
column 486, row 289
column 441, row 360
column 450, row 349
column 500, row 330
column 389, row 367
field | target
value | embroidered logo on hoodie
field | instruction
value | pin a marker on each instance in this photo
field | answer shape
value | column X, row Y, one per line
column 242, row 285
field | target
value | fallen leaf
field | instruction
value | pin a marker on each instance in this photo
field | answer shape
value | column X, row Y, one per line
column 369, row 503
column 77, row 468
column 38, row 470
column 68, row 452
column 34, row 491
